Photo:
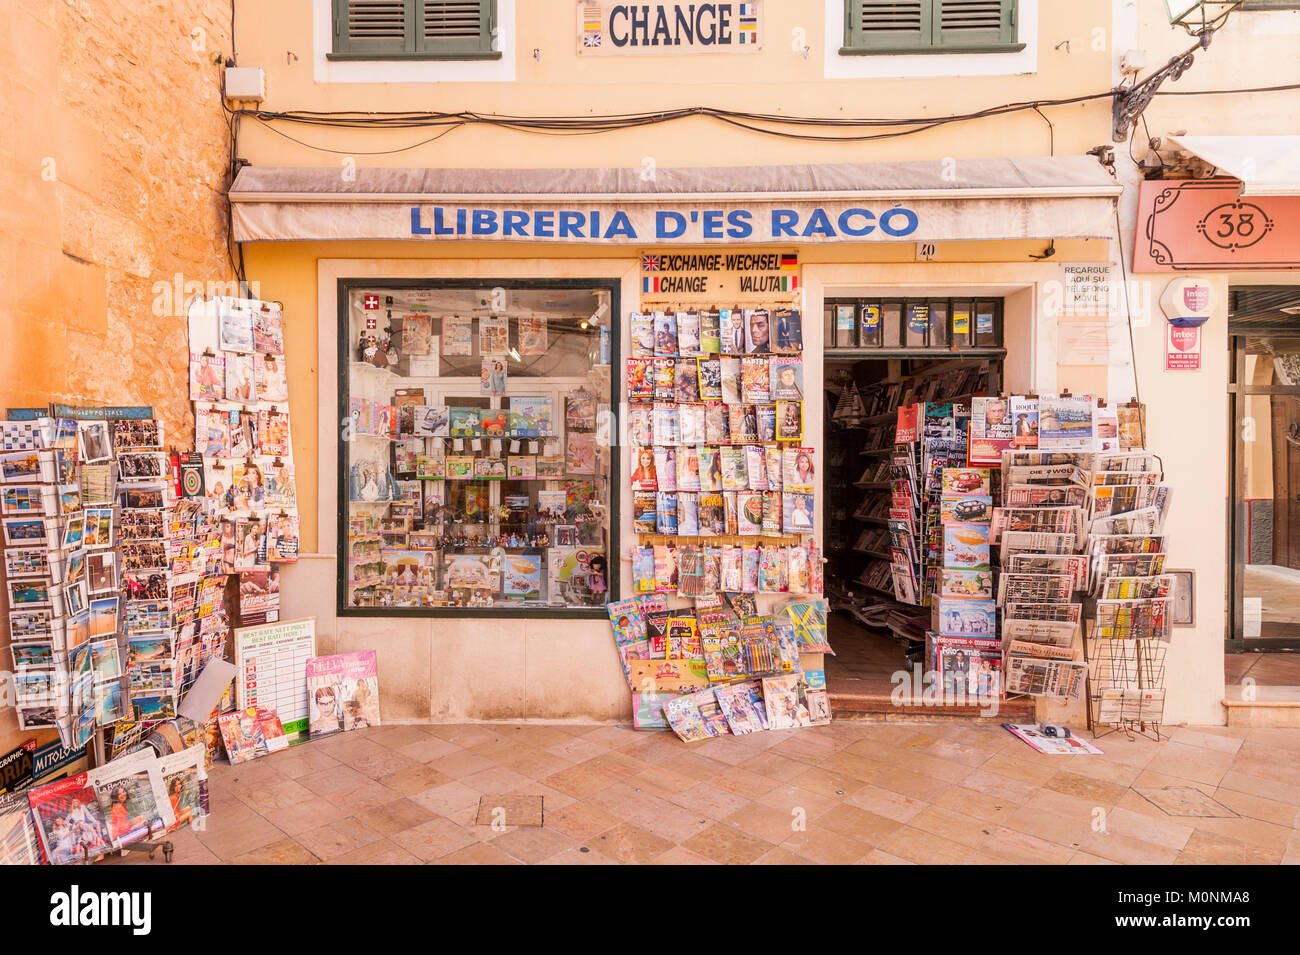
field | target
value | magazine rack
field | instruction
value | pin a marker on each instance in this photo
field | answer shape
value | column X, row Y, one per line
column 1122, row 675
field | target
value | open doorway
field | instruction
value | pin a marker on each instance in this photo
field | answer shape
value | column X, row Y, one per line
column 875, row 634
column 1264, row 542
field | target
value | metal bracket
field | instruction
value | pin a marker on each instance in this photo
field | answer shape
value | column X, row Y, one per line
column 1130, row 102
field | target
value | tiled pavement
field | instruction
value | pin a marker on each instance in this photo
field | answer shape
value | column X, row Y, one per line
column 864, row 792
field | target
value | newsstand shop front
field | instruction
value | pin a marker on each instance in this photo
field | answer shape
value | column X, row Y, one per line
column 534, row 393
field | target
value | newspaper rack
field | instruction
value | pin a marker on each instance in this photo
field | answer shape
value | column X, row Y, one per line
column 1126, row 684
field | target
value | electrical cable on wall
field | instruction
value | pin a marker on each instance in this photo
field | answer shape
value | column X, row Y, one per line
column 761, row 123
column 1128, row 307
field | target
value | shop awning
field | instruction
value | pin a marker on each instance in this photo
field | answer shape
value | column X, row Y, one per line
column 942, row 200
column 1266, row 165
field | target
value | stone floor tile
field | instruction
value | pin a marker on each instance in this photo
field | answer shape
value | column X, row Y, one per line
column 825, row 847
column 925, row 848
column 428, row 748
column 709, row 800
column 763, row 822
column 232, row 838
column 284, row 852
column 446, row 798
column 461, row 764
column 281, row 795
column 395, row 816
column 337, row 838
column 533, row 845
column 478, row 854
column 312, row 814
column 979, row 805
column 433, row 839
column 855, row 823
column 380, row 852
column 1024, row 848
column 954, row 826
column 630, row 844
column 301, row 760
column 1210, row 848
column 727, row 845
column 678, row 855
column 580, row 821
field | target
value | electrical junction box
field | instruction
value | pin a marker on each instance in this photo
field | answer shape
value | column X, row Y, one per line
column 245, row 83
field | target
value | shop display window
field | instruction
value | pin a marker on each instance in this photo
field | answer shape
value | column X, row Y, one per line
column 475, row 465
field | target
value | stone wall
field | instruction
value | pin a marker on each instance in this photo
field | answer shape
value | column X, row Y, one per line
column 113, row 155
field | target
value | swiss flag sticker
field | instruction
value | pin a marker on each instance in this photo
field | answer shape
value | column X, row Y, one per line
column 370, row 301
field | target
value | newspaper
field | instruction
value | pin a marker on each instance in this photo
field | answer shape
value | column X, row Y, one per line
column 1047, row 475
column 1030, row 588
column 1055, row 633
column 1123, row 704
column 1037, row 457
column 1071, row 613
column 1147, row 521
column 1053, row 520
column 1120, row 499
column 1044, row 651
column 1030, row 542
column 1076, row 565
column 1137, row 588
column 1051, row 678
column 1125, row 565
column 1031, row 495
column 1133, row 619
column 1136, row 460
column 1099, row 544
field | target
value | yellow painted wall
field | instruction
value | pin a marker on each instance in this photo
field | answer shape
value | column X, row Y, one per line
column 278, row 37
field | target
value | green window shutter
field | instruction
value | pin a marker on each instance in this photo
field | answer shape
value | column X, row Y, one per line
column 974, row 23
column 455, row 26
column 374, row 27
column 887, row 24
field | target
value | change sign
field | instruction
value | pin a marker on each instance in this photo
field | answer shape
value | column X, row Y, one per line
column 611, row 29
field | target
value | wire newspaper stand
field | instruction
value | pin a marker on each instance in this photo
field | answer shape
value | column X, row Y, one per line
column 1126, row 685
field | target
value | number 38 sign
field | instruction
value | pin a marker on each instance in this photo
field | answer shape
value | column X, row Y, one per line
column 1206, row 224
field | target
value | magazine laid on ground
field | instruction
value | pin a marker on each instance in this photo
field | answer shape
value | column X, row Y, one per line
column 1052, row 745
column 251, row 732
column 342, row 692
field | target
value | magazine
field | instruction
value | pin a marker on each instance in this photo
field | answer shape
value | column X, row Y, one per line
column 742, row 706
column 132, row 798
column 251, row 732
column 17, row 833
column 785, row 698
column 684, row 716
column 69, row 821
column 184, row 777
column 1052, row 745
column 343, row 692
